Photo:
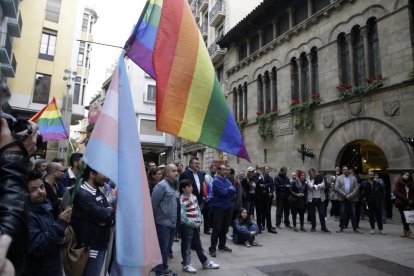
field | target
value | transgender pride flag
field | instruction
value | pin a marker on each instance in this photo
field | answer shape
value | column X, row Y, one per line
column 114, row 150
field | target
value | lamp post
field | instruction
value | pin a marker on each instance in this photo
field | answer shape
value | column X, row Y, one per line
column 69, row 77
column 408, row 141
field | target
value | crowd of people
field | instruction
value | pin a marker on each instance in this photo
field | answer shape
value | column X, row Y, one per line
column 42, row 219
column 189, row 201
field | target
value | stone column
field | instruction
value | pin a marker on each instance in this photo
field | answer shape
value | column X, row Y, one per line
column 235, row 104
column 244, row 91
column 311, row 84
column 367, row 53
column 274, row 24
column 291, row 12
column 351, row 58
column 259, row 94
column 310, row 8
column 266, row 93
column 240, row 96
column 273, row 99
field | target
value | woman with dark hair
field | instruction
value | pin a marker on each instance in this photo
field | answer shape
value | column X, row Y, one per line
column 244, row 229
column 404, row 199
column 154, row 176
column 297, row 199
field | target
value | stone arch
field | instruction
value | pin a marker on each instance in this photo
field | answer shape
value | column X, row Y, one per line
column 360, row 19
column 304, row 47
column 267, row 67
column 384, row 135
column 239, row 81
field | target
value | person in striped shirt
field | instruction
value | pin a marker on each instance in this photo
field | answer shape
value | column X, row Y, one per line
column 191, row 220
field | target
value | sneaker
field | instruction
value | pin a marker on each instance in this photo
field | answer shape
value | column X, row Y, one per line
column 189, row 268
column 295, row 229
column 372, row 232
column 382, row 233
column 225, row 249
column 211, row 265
column 255, row 243
column 212, row 253
column 247, row 244
column 170, row 273
column 358, row 232
column 404, row 234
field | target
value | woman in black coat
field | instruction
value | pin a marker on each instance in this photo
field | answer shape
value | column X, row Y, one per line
column 297, row 199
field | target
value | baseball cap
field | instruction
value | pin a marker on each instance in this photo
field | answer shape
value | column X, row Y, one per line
column 250, row 169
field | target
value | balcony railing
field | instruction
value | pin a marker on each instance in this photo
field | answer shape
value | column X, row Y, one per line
column 52, row 16
column 14, row 26
column 9, row 69
column 10, row 7
column 5, row 48
column 202, row 5
column 215, row 52
column 217, row 13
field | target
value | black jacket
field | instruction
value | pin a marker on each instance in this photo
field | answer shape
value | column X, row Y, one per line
column 45, row 234
column 187, row 174
column 92, row 218
column 53, row 199
column 14, row 200
column 281, row 182
column 372, row 195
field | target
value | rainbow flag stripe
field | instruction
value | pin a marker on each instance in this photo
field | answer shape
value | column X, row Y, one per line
column 50, row 122
column 141, row 43
column 190, row 103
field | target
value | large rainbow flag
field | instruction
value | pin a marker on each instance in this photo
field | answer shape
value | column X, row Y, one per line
column 50, row 122
column 190, row 103
column 114, row 150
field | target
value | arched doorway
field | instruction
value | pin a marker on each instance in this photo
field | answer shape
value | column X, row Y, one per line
column 362, row 155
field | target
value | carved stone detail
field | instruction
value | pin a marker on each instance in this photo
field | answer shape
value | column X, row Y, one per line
column 284, row 126
column 391, row 107
column 355, row 108
column 328, row 120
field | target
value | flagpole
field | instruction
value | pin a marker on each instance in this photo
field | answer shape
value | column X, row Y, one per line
column 71, row 145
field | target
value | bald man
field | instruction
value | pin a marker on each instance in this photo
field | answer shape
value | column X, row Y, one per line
column 54, row 173
column 164, row 206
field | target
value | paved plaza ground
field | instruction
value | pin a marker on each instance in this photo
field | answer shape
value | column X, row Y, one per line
column 299, row 254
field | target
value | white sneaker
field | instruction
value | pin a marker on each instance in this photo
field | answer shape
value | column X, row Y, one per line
column 189, row 268
column 211, row 265
column 382, row 233
column 372, row 232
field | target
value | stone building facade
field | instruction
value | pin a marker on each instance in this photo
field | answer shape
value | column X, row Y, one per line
column 347, row 63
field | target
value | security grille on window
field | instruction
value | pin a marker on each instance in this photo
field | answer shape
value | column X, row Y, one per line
column 47, row 46
column 42, row 89
column 151, row 93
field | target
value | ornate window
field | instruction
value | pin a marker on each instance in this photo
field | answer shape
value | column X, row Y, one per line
column 373, row 49
column 359, row 58
column 304, row 78
column 273, row 87
column 314, row 71
column 344, row 65
column 260, row 106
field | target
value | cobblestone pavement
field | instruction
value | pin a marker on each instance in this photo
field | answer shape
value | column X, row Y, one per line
column 317, row 253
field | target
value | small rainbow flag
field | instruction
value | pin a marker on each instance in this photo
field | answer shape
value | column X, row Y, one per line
column 50, row 122
column 189, row 102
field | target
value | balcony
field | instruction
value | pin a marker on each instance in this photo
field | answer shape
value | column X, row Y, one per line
column 10, row 7
column 215, row 52
column 14, row 26
column 9, row 69
column 202, row 5
column 5, row 48
column 52, row 16
column 217, row 14
column 204, row 30
column 194, row 10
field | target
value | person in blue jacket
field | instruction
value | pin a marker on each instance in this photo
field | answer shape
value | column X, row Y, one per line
column 46, row 235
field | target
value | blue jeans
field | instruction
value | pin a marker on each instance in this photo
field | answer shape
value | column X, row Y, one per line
column 95, row 263
column 347, row 208
column 190, row 237
column 165, row 236
column 243, row 237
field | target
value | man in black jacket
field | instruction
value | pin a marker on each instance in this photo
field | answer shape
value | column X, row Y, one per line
column 282, row 186
column 92, row 219
column 372, row 194
column 268, row 198
column 196, row 178
column 14, row 166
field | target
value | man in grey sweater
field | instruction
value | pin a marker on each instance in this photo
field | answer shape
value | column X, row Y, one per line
column 164, row 205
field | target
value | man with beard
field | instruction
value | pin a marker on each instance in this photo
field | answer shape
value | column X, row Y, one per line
column 92, row 219
column 54, row 174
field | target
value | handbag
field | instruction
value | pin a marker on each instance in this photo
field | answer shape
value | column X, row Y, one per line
column 409, row 216
column 74, row 259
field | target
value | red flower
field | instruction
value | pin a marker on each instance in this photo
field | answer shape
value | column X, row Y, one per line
column 274, row 109
column 315, row 95
column 295, row 102
column 380, row 77
column 259, row 113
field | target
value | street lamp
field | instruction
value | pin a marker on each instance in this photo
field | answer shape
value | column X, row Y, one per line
column 408, row 141
column 69, row 77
